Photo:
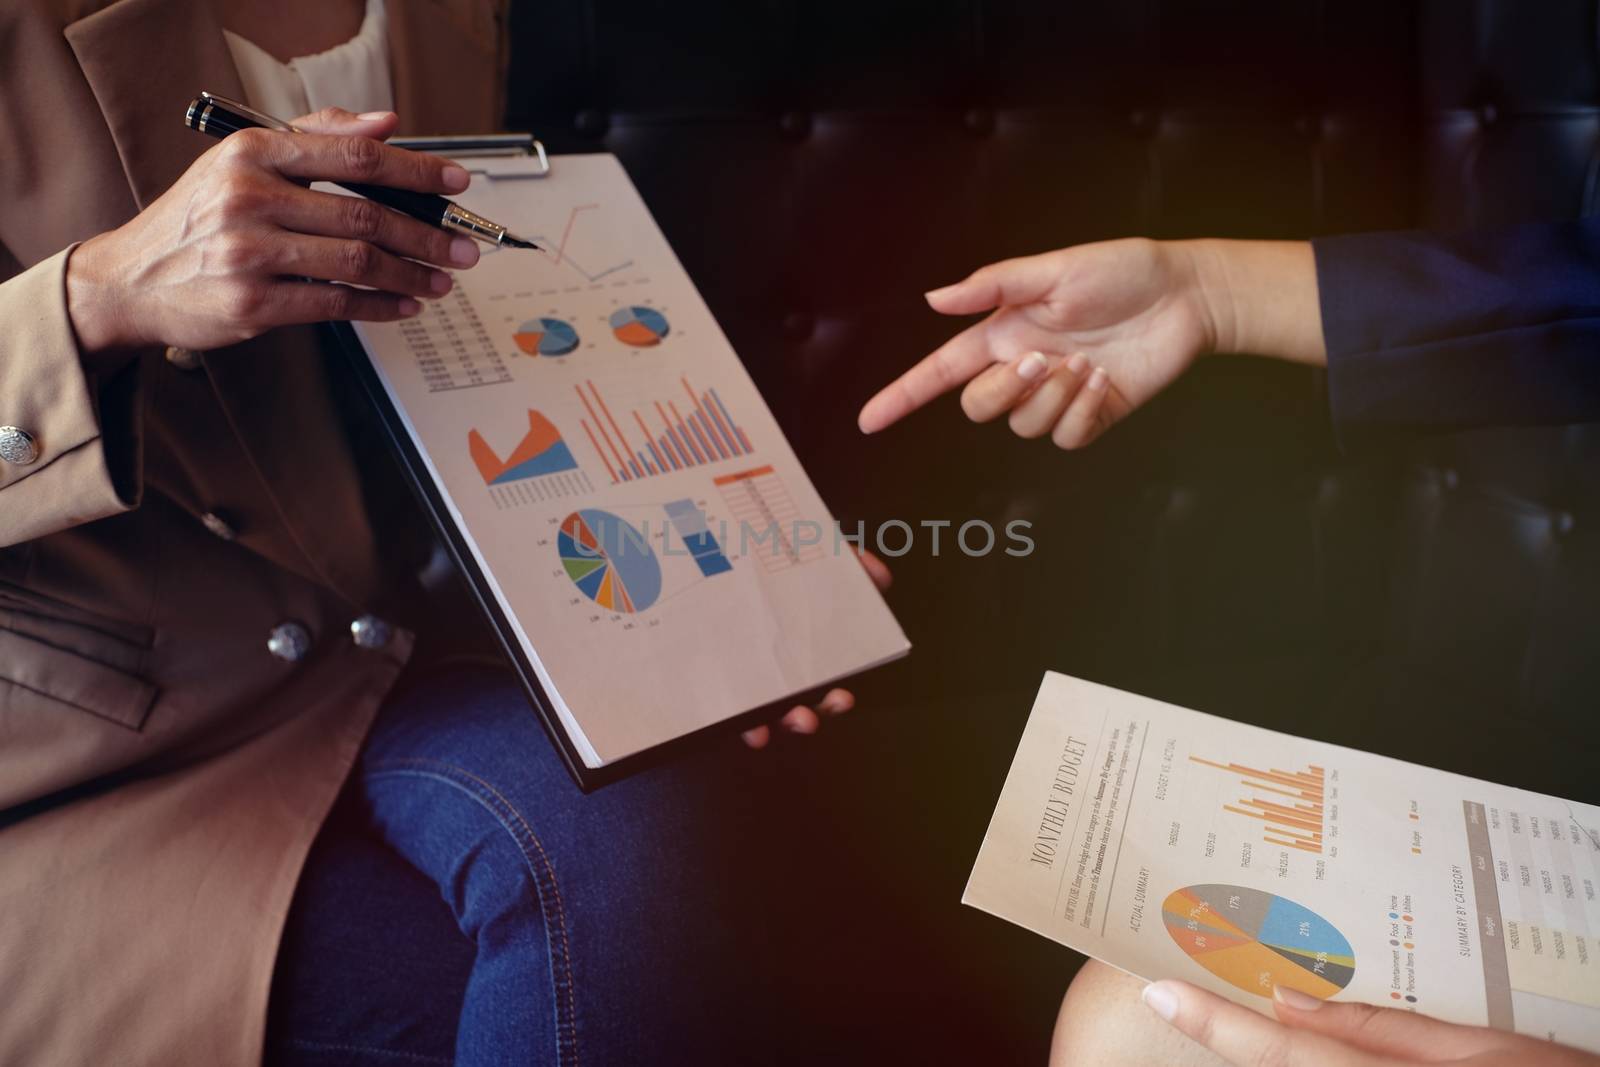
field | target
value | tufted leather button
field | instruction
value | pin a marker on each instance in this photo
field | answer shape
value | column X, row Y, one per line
column 370, row 632
column 1488, row 114
column 592, row 122
column 1449, row 478
column 979, row 121
column 1314, row 127
column 798, row 326
column 183, row 358
column 17, row 446
column 1562, row 523
column 794, row 125
column 289, row 641
column 218, row 526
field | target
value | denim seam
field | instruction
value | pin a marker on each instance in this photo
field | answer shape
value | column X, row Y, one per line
column 552, row 905
column 398, row 1054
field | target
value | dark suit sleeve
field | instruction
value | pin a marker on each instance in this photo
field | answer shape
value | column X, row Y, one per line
column 1430, row 332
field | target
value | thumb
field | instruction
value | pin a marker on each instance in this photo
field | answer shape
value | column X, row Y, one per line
column 1011, row 281
column 1391, row 1032
column 339, row 122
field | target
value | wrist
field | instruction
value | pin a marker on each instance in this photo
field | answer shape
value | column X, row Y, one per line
column 1260, row 297
column 97, row 304
column 1210, row 291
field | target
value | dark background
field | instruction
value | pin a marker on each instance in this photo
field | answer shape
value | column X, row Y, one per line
column 818, row 164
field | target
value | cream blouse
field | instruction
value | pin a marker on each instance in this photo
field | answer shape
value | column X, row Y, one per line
column 353, row 75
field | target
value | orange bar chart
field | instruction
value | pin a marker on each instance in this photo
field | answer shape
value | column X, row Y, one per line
column 1288, row 803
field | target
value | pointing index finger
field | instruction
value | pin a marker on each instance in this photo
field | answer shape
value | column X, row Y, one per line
column 951, row 365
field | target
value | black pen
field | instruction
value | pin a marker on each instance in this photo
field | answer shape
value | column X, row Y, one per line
column 218, row 116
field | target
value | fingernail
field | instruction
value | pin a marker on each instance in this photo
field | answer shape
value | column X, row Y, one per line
column 1077, row 362
column 1097, row 380
column 1294, row 999
column 409, row 307
column 1031, row 366
column 372, row 116
column 464, row 252
column 933, row 294
column 836, row 702
column 802, row 726
column 439, row 282
column 1159, row 998
column 455, row 178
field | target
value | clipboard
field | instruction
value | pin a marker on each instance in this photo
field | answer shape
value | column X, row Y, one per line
column 425, row 480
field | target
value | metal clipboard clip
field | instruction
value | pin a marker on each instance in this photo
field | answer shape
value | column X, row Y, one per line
column 482, row 145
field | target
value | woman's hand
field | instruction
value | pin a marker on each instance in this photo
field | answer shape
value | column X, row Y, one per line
column 223, row 255
column 1078, row 339
column 1315, row 1033
column 804, row 720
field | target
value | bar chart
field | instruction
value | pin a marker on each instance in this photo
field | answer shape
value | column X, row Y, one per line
column 661, row 438
column 690, row 522
column 1290, row 813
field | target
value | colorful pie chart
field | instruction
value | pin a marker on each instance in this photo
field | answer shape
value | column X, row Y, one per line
column 1256, row 940
column 546, row 337
column 609, row 561
column 640, row 327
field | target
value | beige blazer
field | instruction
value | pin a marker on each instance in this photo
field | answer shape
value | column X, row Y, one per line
column 161, row 773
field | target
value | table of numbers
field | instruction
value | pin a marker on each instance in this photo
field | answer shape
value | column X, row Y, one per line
column 453, row 349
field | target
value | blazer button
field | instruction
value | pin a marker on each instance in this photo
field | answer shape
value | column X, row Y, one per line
column 218, row 525
column 18, row 446
column 289, row 641
column 183, row 358
column 370, row 632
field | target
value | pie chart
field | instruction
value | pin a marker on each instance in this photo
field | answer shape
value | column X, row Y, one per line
column 640, row 327
column 609, row 561
column 1255, row 940
column 546, row 337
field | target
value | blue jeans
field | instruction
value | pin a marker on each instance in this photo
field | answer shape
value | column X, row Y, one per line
column 467, row 905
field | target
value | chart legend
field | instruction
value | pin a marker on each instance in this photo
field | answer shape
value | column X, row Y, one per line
column 1291, row 808
column 1258, row 941
column 703, row 432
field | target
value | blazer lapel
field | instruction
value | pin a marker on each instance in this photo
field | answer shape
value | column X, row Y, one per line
column 145, row 60
column 446, row 65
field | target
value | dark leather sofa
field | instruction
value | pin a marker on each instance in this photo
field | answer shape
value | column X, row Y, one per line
column 819, row 164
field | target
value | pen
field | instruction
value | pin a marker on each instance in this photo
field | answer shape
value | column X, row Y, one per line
column 218, row 116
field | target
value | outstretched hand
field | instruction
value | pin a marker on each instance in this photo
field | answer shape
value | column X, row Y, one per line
column 1075, row 339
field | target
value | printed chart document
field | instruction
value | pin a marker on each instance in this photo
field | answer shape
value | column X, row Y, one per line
column 1174, row 844
column 637, row 514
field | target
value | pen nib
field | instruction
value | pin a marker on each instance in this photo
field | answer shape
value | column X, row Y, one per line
column 517, row 242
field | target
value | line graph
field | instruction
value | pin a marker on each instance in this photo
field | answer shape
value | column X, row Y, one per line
column 561, row 257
